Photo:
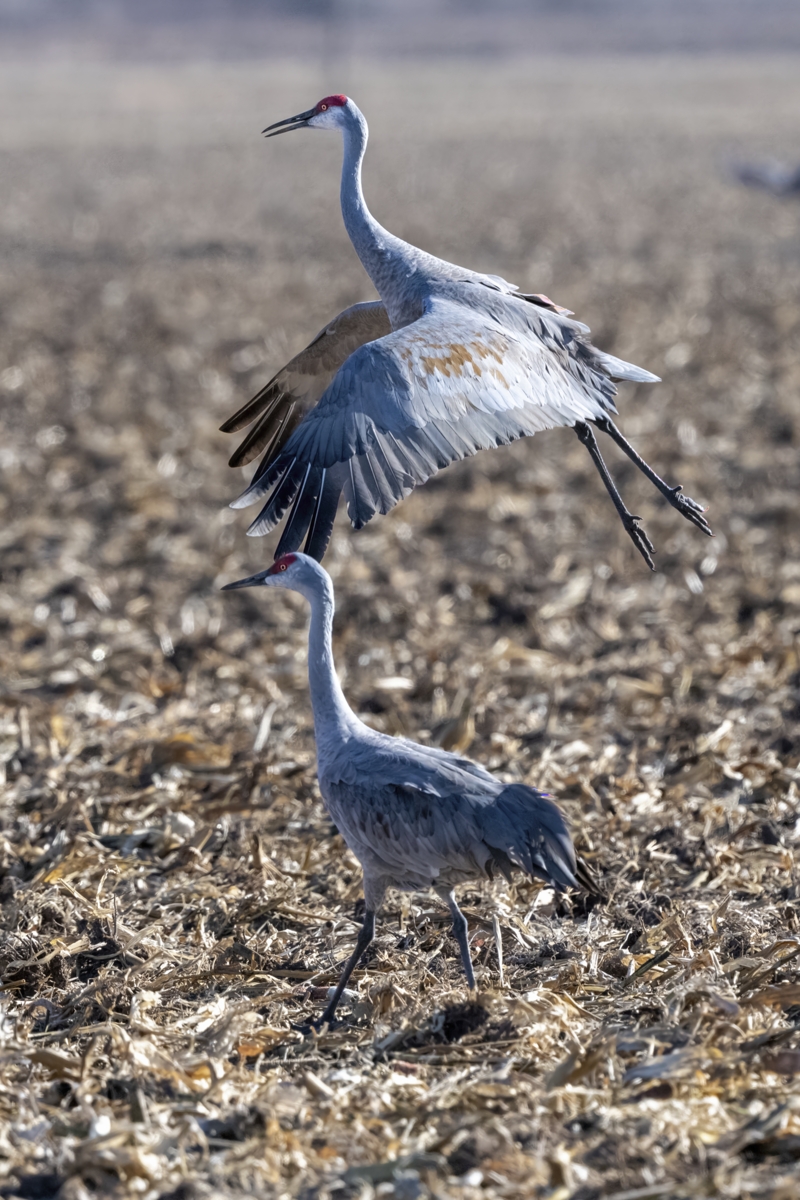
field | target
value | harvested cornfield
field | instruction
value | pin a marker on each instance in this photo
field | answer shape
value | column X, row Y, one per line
column 175, row 900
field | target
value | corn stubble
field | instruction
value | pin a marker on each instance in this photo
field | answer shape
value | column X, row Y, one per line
column 174, row 902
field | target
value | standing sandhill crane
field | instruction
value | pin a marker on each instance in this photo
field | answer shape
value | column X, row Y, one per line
column 415, row 817
column 449, row 362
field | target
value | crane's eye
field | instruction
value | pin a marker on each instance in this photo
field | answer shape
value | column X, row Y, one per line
column 323, row 107
column 282, row 567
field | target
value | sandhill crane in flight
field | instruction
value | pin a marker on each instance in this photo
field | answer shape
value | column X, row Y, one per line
column 416, row 817
column 447, row 363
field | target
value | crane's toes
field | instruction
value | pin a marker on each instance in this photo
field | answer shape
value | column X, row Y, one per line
column 690, row 509
column 640, row 539
column 305, row 1027
column 314, row 1025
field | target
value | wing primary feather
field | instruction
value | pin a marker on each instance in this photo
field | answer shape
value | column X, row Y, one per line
column 399, row 466
column 459, row 437
column 270, row 432
column 269, row 473
column 389, row 491
column 282, row 496
column 266, row 430
column 321, row 528
column 253, row 408
column 302, row 511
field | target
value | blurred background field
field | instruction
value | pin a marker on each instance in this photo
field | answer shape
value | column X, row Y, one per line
column 174, row 896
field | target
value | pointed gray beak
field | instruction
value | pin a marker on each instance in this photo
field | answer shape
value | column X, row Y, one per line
column 251, row 581
column 298, row 122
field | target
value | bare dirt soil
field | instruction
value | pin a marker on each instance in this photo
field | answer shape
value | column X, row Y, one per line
column 175, row 899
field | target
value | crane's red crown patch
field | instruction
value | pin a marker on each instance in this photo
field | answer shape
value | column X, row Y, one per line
column 331, row 102
column 282, row 564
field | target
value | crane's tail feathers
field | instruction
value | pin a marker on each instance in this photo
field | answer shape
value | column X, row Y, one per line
column 617, row 368
column 499, row 859
column 533, row 833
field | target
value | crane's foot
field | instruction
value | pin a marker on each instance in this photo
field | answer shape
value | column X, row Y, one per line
column 639, row 538
column 307, row 1028
column 687, row 507
column 315, row 1025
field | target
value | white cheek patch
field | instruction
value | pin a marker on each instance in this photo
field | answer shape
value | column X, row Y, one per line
column 326, row 120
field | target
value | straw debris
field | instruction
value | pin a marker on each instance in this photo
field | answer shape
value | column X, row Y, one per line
column 175, row 900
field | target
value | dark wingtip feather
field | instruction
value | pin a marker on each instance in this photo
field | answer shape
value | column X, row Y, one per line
column 253, row 408
column 302, row 512
column 271, row 432
column 322, row 522
column 282, row 496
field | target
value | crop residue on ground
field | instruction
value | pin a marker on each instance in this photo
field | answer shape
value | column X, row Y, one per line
column 175, row 901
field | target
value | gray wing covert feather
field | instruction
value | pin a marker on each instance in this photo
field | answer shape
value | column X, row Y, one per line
column 425, row 806
column 399, row 760
column 405, row 830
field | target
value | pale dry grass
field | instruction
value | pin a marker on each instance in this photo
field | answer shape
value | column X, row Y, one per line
column 174, row 901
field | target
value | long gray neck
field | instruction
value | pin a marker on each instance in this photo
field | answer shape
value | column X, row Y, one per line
column 333, row 717
column 373, row 244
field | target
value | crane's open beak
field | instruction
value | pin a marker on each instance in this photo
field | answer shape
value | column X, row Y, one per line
column 251, row 581
column 298, row 122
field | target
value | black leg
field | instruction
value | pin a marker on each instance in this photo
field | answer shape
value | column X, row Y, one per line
column 638, row 536
column 461, row 931
column 684, row 504
column 365, row 935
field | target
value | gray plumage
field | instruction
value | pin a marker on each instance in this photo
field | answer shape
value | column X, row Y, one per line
column 416, row 817
column 451, row 361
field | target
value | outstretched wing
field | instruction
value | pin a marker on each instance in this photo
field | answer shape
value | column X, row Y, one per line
column 458, row 380
column 283, row 402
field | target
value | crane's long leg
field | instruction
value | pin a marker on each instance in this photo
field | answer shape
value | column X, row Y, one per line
column 365, row 935
column 461, row 931
column 685, row 505
column 638, row 536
